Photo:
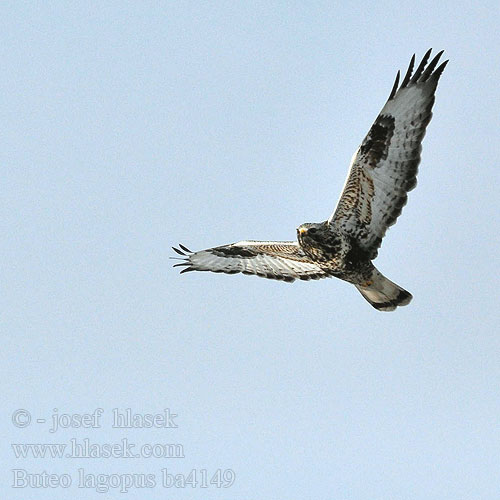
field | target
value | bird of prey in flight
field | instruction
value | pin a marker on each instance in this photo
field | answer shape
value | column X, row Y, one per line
column 382, row 171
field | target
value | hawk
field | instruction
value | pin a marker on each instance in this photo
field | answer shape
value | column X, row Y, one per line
column 382, row 171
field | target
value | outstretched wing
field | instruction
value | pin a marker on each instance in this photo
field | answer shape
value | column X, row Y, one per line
column 384, row 167
column 279, row 260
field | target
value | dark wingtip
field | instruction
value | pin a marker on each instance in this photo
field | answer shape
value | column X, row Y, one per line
column 187, row 270
column 185, row 248
column 395, row 86
column 430, row 68
column 407, row 77
column 421, row 67
column 180, row 252
column 423, row 73
column 439, row 70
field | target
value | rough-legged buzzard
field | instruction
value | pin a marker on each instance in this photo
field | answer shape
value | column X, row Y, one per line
column 381, row 173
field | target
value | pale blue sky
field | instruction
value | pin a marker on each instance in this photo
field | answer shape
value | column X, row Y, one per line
column 132, row 126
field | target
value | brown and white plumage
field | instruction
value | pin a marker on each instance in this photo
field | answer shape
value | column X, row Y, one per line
column 381, row 173
column 279, row 260
column 384, row 168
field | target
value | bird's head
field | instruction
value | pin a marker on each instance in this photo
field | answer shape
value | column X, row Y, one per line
column 309, row 233
column 318, row 241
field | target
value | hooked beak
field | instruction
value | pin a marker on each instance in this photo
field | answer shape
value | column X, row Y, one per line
column 302, row 231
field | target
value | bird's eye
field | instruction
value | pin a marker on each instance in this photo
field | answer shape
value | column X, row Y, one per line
column 312, row 230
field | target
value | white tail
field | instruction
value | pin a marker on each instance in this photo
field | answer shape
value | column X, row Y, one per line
column 383, row 294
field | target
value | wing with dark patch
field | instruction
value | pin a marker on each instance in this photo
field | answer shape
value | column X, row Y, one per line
column 384, row 168
column 279, row 260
